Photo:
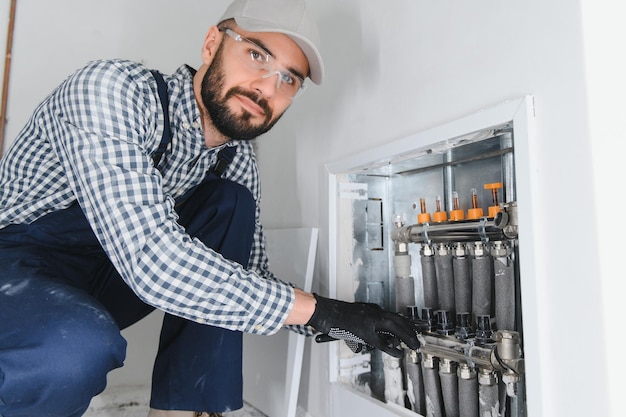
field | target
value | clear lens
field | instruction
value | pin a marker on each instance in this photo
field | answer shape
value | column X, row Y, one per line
column 261, row 63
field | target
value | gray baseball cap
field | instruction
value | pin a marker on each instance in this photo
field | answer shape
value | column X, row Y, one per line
column 281, row 16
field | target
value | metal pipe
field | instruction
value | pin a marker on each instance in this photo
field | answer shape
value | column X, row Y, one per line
column 445, row 279
column 429, row 277
column 405, row 293
column 482, row 278
column 468, row 391
column 461, row 352
column 458, row 231
column 508, row 167
column 415, row 381
column 504, row 284
column 501, row 227
column 488, row 394
column 462, row 279
column 449, row 387
column 517, row 406
column 404, row 282
column 432, row 386
column 503, row 355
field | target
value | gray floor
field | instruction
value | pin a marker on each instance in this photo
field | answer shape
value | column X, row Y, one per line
column 130, row 401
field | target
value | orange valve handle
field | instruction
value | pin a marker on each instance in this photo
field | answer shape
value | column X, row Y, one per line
column 456, row 213
column 495, row 205
column 475, row 212
column 439, row 215
column 423, row 217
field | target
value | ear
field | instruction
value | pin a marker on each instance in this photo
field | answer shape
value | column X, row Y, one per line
column 211, row 43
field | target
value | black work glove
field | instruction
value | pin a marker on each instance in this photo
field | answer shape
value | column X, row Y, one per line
column 363, row 324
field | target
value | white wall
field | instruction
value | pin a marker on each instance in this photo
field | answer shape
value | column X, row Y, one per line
column 395, row 67
column 606, row 87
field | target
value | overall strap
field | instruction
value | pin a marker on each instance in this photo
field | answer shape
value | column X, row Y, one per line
column 224, row 157
column 167, row 134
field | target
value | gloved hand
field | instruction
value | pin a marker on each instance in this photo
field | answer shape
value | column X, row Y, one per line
column 363, row 324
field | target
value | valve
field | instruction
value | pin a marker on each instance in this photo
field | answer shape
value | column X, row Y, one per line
column 475, row 212
column 494, row 208
column 483, row 330
column 508, row 355
column 439, row 215
column 445, row 327
column 506, row 219
column 423, row 216
column 456, row 213
column 464, row 329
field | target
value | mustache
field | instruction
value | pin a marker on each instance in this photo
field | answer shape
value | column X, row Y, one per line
column 252, row 96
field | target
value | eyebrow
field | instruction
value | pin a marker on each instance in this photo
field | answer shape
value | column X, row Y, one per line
column 260, row 43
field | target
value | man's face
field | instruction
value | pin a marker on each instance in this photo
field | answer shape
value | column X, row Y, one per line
column 234, row 125
column 243, row 105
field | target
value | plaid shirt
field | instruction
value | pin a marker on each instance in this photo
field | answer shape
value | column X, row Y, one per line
column 90, row 140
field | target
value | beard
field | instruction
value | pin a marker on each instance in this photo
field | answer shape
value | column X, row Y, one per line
column 228, row 123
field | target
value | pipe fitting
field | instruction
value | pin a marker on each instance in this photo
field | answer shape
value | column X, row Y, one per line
column 477, row 249
column 465, row 372
column 499, row 249
column 402, row 248
column 508, row 344
column 459, row 250
column 487, row 377
column 443, row 249
column 508, row 352
column 507, row 220
column 511, row 382
column 446, row 366
column 411, row 356
column 429, row 361
column 402, row 264
column 427, row 250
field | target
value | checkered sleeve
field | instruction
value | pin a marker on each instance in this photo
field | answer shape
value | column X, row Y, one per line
column 244, row 170
column 106, row 117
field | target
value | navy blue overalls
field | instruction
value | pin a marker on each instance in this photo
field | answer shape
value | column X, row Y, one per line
column 62, row 306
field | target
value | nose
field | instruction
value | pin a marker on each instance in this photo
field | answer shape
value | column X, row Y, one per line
column 267, row 84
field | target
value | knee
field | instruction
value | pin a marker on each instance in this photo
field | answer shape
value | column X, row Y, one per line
column 83, row 353
column 238, row 206
column 218, row 203
column 63, row 370
column 236, row 197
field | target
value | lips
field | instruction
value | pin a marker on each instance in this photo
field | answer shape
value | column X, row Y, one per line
column 251, row 102
column 250, row 105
